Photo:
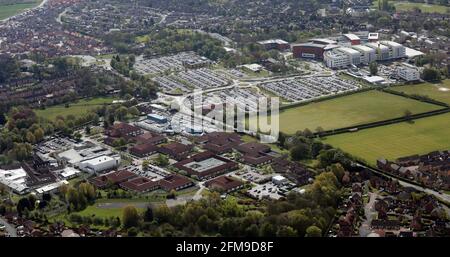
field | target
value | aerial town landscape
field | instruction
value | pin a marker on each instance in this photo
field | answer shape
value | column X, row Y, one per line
column 101, row 134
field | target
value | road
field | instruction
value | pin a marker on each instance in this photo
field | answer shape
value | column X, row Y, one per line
column 10, row 229
column 443, row 197
column 369, row 211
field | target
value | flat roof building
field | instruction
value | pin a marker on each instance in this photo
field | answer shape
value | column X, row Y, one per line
column 381, row 51
column 408, row 72
column 99, row 164
column 206, row 165
column 396, row 50
column 351, row 39
column 367, row 54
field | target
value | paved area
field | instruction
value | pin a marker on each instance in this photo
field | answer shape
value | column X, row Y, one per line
column 10, row 229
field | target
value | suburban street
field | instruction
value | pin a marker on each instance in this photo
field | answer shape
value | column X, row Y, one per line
column 442, row 196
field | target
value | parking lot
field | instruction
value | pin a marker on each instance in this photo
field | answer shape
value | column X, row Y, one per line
column 55, row 144
column 301, row 89
column 203, row 78
column 163, row 64
column 244, row 98
column 269, row 190
column 251, row 175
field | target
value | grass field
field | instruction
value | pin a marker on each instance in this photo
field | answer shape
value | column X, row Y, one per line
column 355, row 109
column 398, row 140
column 439, row 92
column 409, row 6
column 7, row 11
column 77, row 108
column 94, row 210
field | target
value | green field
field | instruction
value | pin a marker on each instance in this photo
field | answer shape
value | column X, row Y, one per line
column 398, row 140
column 9, row 10
column 407, row 6
column 439, row 92
column 355, row 109
column 77, row 108
column 94, row 210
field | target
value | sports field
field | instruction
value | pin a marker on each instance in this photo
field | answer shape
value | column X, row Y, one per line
column 398, row 140
column 77, row 108
column 8, row 10
column 438, row 91
column 355, row 109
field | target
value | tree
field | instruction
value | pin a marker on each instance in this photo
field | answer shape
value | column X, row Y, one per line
column 133, row 111
column 313, row 231
column 130, row 217
column 145, row 164
column 39, row 134
column 30, row 138
column 121, row 113
column 172, row 194
column 286, row 231
column 407, row 113
column 300, row 152
column 148, row 214
column 373, row 67
column 162, row 160
column 337, row 170
column 23, row 204
column 431, row 74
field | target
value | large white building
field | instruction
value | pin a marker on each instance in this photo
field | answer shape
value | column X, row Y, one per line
column 408, row 72
column 342, row 57
column 396, row 50
column 381, row 50
column 99, row 164
column 15, row 179
column 336, row 59
column 367, row 54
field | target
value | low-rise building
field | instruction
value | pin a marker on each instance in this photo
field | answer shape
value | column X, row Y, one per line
column 225, row 184
column 206, row 165
column 99, row 164
column 408, row 72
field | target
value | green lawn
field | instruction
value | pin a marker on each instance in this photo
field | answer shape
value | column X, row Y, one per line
column 398, row 140
column 439, row 91
column 77, row 108
column 355, row 109
column 409, row 6
column 7, row 11
column 93, row 210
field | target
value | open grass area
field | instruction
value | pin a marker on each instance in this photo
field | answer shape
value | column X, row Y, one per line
column 355, row 109
column 8, row 10
column 430, row 8
column 398, row 140
column 95, row 210
column 437, row 91
column 77, row 108
column 409, row 6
